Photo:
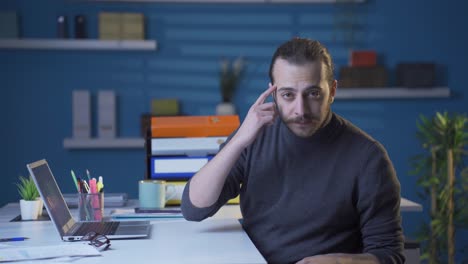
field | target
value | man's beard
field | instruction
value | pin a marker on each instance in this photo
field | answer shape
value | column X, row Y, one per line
column 315, row 121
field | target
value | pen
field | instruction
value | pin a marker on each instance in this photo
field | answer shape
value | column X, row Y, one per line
column 89, row 176
column 75, row 181
column 11, row 239
column 86, row 186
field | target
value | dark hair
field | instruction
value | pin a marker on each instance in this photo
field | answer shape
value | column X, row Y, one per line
column 300, row 51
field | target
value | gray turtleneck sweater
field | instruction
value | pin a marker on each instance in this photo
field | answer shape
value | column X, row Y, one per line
column 335, row 192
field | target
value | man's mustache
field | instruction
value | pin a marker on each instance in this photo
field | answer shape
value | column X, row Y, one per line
column 304, row 118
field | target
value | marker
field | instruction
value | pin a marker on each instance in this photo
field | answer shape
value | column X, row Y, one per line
column 11, row 239
column 100, row 184
column 75, row 181
column 92, row 186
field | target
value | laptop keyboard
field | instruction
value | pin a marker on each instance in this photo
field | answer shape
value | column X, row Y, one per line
column 105, row 228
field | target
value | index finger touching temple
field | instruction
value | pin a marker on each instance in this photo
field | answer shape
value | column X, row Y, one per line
column 261, row 99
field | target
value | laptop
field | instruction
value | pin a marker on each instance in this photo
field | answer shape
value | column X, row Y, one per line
column 68, row 228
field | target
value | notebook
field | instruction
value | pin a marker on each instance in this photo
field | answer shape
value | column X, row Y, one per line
column 68, row 228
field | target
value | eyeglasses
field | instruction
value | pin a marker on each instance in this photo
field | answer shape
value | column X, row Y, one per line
column 101, row 242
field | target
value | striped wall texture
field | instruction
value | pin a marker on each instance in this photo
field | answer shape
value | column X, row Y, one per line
column 192, row 39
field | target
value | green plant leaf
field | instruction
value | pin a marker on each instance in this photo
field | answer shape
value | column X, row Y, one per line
column 437, row 134
column 27, row 189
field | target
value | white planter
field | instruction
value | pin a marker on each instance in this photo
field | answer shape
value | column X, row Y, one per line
column 225, row 108
column 29, row 209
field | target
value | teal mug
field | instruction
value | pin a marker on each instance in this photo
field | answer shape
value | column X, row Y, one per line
column 155, row 193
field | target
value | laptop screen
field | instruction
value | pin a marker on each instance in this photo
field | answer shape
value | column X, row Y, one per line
column 50, row 192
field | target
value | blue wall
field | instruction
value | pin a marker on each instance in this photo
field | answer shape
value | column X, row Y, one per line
column 192, row 38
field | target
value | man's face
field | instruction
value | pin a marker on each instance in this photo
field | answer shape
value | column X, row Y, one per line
column 303, row 96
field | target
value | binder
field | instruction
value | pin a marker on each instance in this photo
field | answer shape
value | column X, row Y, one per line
column 107, row 114
column 180, row 185
column 81, row 108
column 176, row 167
column 200, row 146
column 193, row 126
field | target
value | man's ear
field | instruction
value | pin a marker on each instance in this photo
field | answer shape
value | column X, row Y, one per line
column 333, row 88
column 333, row 91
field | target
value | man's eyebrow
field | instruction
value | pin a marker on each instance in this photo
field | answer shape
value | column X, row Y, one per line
column 314, row 87
column 290, row 89
column 286, row 89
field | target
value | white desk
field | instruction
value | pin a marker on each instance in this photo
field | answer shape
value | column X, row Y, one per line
column 220, row 239
column 409, row 206
column 217, row 240
column 234, row 212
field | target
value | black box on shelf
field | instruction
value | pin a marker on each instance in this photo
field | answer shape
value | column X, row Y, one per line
column 415, row 75
column 80, row 27
column 363, row 77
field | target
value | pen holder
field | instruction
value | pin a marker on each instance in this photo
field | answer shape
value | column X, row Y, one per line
column 91, row 206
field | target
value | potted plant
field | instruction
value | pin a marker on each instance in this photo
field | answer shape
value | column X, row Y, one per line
column 444, row 180
column 229, row 77
column 30, row 204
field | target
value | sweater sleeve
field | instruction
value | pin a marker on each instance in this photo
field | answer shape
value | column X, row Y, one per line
column 379, row 207
column 230, row 190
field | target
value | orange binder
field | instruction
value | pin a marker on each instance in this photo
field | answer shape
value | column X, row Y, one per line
column 194, row 126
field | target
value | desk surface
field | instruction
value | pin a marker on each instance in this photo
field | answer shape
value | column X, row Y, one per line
column 409, row 206
column 219, row 239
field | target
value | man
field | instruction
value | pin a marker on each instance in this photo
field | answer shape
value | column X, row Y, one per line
column 313, row 187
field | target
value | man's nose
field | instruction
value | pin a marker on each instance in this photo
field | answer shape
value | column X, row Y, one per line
column 301, row 107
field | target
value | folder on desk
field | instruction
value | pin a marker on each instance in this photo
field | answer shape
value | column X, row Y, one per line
column 193, row 126
column 176, row 167
column 193, row 146
column 48, row 253
column 130, row 213
column 179, row 187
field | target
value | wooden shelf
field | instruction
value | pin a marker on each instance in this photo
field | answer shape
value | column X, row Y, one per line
column 392, row 93
column 103, row 143
column 78, row 44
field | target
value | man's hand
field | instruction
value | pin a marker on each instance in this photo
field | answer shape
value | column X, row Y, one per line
column 207, row 183
column 260, row 114
column 340, row 259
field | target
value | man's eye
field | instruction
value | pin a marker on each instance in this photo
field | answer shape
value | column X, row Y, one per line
column 314, row 94
column 287, row 95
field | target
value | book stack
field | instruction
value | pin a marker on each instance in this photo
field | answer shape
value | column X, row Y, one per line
column 178, row 147
column 363, row 71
